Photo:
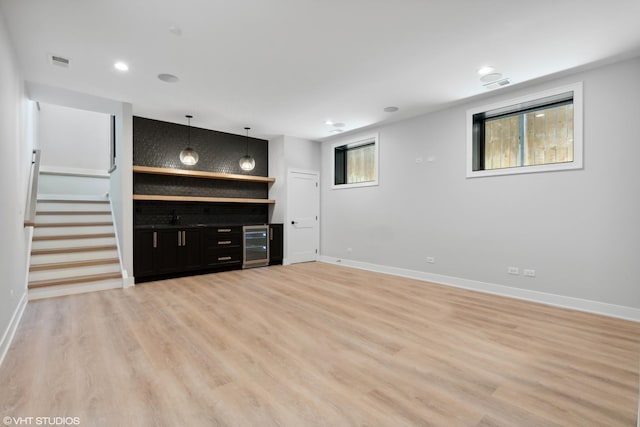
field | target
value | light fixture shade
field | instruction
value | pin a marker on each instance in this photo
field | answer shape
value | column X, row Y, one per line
column 247, row 163
column 188, row 157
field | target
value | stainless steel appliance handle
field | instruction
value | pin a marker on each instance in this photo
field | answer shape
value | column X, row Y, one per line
column 155, row 239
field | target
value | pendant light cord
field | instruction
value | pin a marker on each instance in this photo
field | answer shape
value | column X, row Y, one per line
column 247, row 129
column 189, row 130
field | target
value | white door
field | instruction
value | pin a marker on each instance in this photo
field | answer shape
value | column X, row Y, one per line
column 303, row 231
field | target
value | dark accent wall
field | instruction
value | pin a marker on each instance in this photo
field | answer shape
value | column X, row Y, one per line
column 191, row 213
column 187, row 186
column 158, row 144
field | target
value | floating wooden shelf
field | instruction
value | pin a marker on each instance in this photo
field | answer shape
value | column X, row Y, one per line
column 201, row 174
column 201, row 199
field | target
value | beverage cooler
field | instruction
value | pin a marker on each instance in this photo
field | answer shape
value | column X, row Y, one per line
column 255, row 246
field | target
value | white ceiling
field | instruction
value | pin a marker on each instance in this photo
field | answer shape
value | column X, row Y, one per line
column 287, row 66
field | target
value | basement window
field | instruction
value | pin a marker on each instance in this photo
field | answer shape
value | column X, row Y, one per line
column 356, row 163
column 537, row 133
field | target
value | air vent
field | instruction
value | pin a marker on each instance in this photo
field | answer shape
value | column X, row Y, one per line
column 499, row 83
column 59, row 61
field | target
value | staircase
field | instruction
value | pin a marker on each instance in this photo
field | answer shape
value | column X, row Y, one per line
column 73, row 248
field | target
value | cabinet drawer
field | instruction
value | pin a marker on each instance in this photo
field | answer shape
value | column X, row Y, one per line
column 224, row 255
column 221, row 232
column 214, row 242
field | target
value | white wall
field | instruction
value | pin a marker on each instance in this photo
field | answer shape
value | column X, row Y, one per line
column 302, row 154
column 17, row 140
column 285, row 153
column 121, row 189
column 277, row 170
column 580, row 230
column 73, row 139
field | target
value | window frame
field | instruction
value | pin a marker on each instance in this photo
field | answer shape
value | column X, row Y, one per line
column 525, row 100
column 360, row 141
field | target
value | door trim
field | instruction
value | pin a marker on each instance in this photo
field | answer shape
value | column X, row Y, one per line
column 287, row 215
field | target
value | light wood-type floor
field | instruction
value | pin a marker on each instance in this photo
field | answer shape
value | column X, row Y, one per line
column 317, row 345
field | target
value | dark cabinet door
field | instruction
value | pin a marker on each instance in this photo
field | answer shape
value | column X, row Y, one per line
column 171, row 251
column 168, row 253
column 276, row 243
column 144, row 252
column 191, row 249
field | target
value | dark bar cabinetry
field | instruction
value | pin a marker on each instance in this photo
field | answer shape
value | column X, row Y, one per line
column 276, row 243
column 164, row 251
column 167, row 250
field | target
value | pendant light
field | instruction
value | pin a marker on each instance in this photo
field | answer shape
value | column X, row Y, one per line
column 247, row 163
column 188, row 156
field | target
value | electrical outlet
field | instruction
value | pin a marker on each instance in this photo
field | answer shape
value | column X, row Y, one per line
column 431, row 260
column 529, row 272
column 513, row 270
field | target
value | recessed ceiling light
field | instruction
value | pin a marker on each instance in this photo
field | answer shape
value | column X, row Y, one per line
column 168, row 78
column 490, row 78
column 339, row 125
column 121, row 66
column 175, row 30
column 390, row 109
column 540, row 115
column 485, row 70
column 328, row 122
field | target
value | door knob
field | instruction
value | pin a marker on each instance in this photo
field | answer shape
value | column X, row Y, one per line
column 294, row 222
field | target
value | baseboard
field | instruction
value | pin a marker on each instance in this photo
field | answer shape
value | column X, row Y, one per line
column 7, row 337
column 62, row 290
column 127, row 281
column 589, row 306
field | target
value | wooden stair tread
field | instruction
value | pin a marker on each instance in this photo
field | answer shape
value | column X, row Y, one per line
column 73, row 250
column 73, row 224
column 73, row 264
column 73, row 213
column 74, row 236
column 74, row 280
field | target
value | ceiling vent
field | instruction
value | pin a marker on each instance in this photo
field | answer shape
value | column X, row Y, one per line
column 59, row 61
column 499, row 83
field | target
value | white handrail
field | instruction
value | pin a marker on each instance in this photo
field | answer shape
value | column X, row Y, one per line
column 30, row 210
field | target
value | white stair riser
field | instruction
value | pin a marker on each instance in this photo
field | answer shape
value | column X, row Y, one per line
column 48, row 206
column 72, row 243
column 48, row 219
column 72, row 231
column 64, row 273
column 76, row 288
column 73, row 257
